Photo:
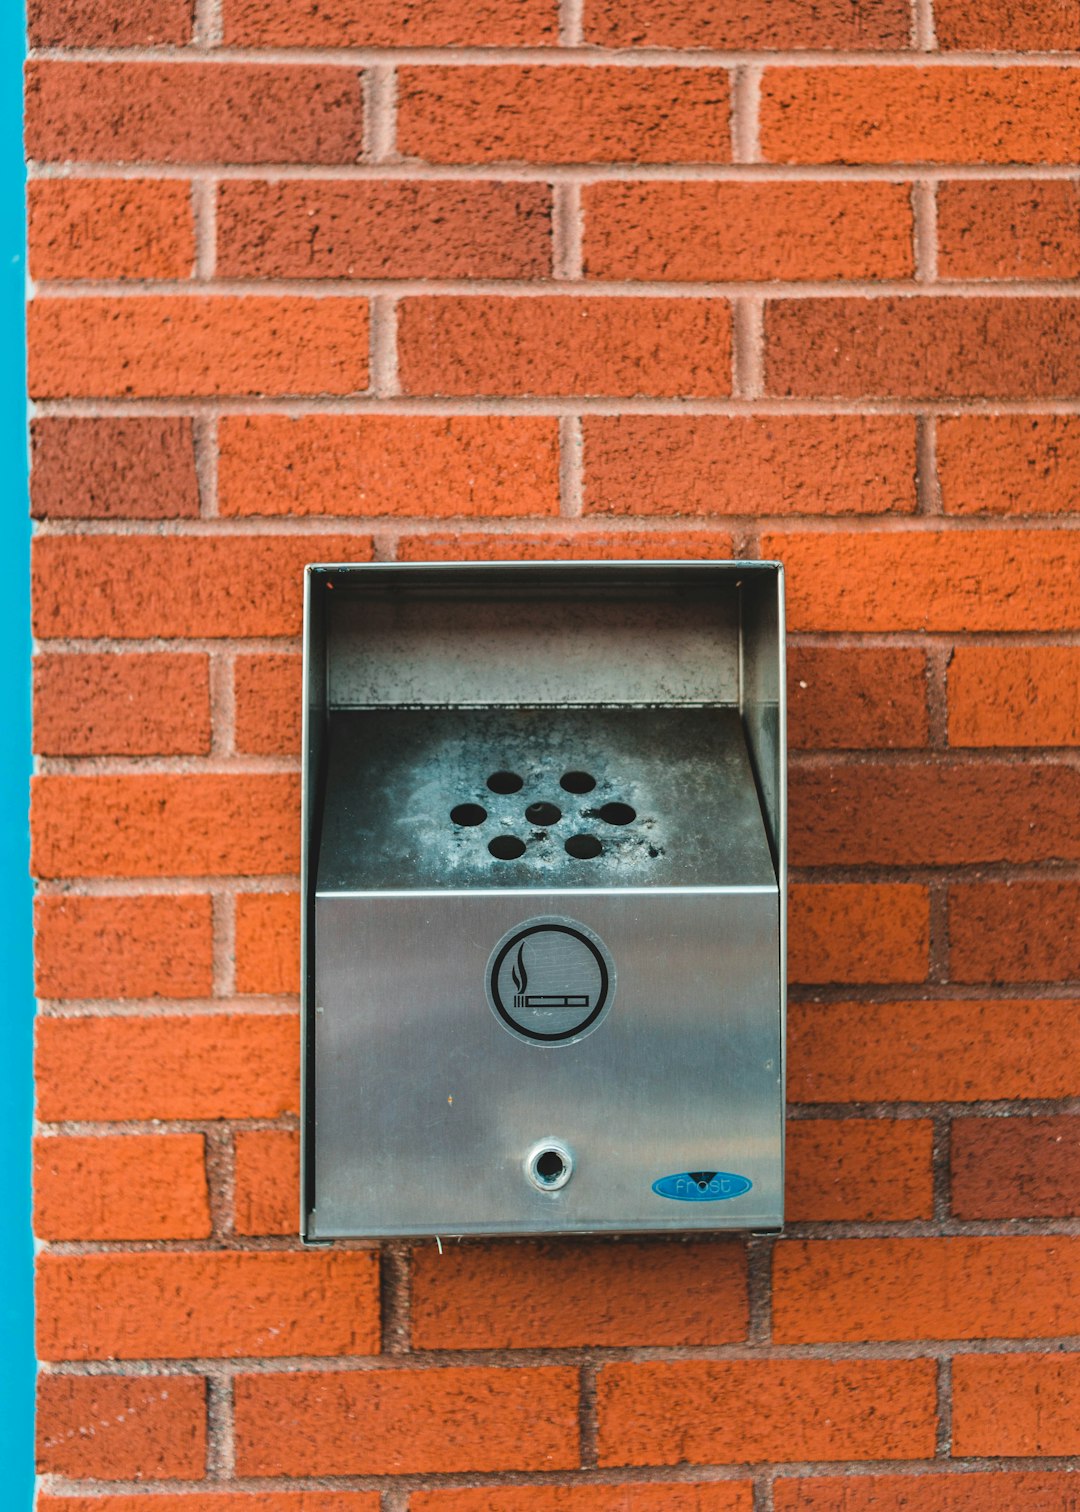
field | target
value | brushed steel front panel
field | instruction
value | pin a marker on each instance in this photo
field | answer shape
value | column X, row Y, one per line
column 427, row 1107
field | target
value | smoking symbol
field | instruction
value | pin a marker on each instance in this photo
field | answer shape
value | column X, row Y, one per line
column 520, row 978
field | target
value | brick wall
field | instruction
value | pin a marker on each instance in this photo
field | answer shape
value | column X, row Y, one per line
column 422, row 278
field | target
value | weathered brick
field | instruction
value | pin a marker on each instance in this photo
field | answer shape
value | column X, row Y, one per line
column 685, row 232
column 124, row 947
column 745, row 1411
column 177, row 1305
column 851, row 932
column 173, row 112
column 919, row 115
column 391, row 23
column 494, row 344
column 935, row 580
column 138, row 468
column 398, row 229
column 1008, row 228
column 954, row 1051
column 923, row 347
column 856, row 698
column 161, row 345
column 1014, row 696
column 1014, row 931
column 134, row 1186
column 237, row 1501
column 571, row 114
column 166, row 825
column 102, row 704
column 1021, row 1405
column 978, row 1491
column 772, row 24
column 1007, row 25
column 1015, row 1167
column 941, row 813
column 418, row 465
column 109, row 23
column 749, row 464
column 859, row 1170
column 203, row 1066
column 570, row 1294
column 956, row 1288
column 122, row 1428
column 268, row 704
column 1009, row 464
column 110, row 228
column 389, row 1422
column 676, row 1496
column 267, row 1194
column 133, row 587
column 581, row 546
column 268, row 942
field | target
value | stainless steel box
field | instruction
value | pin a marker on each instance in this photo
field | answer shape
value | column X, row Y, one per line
column 544, row 898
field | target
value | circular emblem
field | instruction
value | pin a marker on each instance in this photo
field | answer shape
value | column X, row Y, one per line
column 550, row 981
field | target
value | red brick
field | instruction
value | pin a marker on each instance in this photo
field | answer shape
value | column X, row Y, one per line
column 581, row 546
column 1007, row 25
column 1009, row 464
column 676, row 1496
column 1018, row 1405
column 121, row 1428
column 859, row 1170
column 162, row 345
column 239, row 1501
column 104, row 704
column 776, row 24
column 937, row 580
column 1014, row 932
column 268, row 704
column 981, row 1491
column 854, row 1290
column 217, row 1305
column 851, row 932
column 133, row 587
column 418, row 465
column 165, row 825
column 268, row 942
column 1014, row 696
column 536, row 114
column 913, row 348
column 493, row 344
column 700, row 231
column 267, row 1196
column 109, row 23
column 739, row 1411
column 939, row 814
column 1008, row 228
column 397, row 229
column 391, row 23
column 572, row 1294
column 124, row 947
column 110, row 228
column 132, row 468
column 212, row 1065
column 1015, row 1167
column 175, row 112
column 135, row 1186
column 749, row 464
column 854, row 698
column 933, row 1051
column 919, row 115
column 389, row 1422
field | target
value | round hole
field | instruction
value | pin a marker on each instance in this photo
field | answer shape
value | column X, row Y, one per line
column 583, row 847
column 468, row 814
column 549, row 1165
column 617, row 813
column 506, row 847
column 577, row 782
column 543, row 813
column 505, row 782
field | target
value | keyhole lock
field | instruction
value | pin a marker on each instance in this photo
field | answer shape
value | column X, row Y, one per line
column 549, row 1165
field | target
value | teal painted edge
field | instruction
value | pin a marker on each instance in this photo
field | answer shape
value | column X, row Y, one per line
column 16, row 915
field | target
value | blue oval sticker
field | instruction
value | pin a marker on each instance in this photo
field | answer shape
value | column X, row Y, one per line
column 702, row 1186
